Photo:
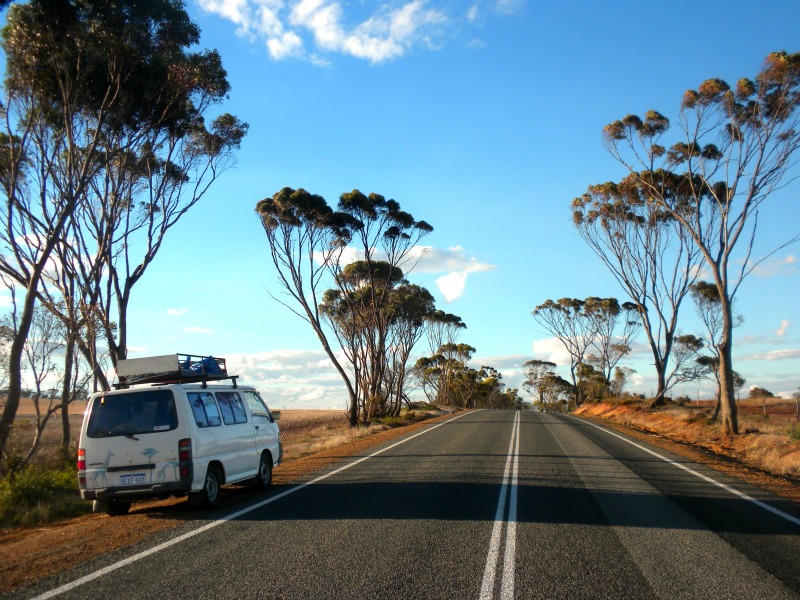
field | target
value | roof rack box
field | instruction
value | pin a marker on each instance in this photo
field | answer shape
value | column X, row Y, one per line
column 171, row 368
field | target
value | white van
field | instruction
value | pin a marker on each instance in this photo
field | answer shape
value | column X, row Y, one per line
column 173, row 428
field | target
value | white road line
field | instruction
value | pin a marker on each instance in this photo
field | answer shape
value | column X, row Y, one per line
column 132, row 559
column 490, row 571
column 728, row 489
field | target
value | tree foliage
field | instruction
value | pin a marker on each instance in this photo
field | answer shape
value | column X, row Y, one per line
column 734, row 147
column 104, row 128
column 649, row 254
column 344, row 272
column 586, row 325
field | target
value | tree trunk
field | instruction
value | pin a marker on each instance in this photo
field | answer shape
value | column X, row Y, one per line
column 15, row 360
column 661, row 393
column 730, row 421
column 717, row 406
column 67, row 394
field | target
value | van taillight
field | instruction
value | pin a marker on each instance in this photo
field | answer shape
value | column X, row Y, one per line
column 81, row 459
column 185, row 449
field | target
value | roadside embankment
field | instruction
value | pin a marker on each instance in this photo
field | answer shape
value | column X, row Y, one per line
column 767, row 443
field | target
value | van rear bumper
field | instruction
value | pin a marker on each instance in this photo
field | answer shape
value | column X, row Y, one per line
column 136, row 492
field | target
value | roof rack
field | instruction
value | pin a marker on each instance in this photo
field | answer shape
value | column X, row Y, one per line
column 172, row 368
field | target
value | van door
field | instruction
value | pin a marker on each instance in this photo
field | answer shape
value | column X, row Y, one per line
column 237, row 437
column 267, row 434
column 129, row 441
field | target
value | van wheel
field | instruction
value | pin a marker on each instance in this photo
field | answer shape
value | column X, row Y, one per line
column 209, row 495
column 264, row 478
column 117, row 508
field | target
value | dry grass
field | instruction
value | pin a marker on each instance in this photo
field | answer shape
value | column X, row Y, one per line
column 765, row 443
column 307, row 432
column 303, row 432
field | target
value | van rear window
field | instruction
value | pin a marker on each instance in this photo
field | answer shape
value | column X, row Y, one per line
column 132, row 413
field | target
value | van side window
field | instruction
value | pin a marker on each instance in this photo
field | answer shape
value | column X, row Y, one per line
column 204, row 409
column 231, row 407
column 256, row 404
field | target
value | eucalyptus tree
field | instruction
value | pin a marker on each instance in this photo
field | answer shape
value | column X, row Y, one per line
column 358, row 253
column 583, row 325
column 382, row 232
column 361, row 317
column 305, row 239
column 445, row 377
column 705, row 296
column 611, row 342
column 735, row 146
column 565, row 320
column 648, row 253
column 89, row 85
column 443, row 328
column 535, row 372
column 409, row 307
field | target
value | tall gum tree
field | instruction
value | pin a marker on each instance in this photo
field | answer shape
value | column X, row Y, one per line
column 81, row 78
column 305, row 238
column 652, row 258
column 736, row 146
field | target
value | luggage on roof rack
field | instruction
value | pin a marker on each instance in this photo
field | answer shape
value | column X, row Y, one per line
column 172, row 368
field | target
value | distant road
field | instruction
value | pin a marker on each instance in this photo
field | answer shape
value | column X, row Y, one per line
column 489, row 504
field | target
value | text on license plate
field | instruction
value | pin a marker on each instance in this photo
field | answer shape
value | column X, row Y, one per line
column 136, row 479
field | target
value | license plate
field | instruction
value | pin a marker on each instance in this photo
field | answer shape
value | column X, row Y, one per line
column 136, row 479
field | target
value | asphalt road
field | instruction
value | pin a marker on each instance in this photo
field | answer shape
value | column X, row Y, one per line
column 490, row 504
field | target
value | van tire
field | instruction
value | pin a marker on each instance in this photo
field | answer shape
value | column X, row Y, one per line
column 264, row 477
column 117, row 508
column 209, row 496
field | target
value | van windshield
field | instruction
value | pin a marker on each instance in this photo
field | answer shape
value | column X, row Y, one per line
column 132, row 413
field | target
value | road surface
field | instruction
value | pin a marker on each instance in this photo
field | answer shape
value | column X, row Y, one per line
column 486, row 505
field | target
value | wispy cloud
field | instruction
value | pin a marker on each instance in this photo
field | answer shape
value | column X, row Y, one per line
column 776, row 266
column 783, row 328
column 787, row 354
column 177, row 312
column 200, row 330
column 551, row 349
column 304, row 28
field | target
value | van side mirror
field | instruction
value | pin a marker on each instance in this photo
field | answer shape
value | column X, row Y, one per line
column 276, row 414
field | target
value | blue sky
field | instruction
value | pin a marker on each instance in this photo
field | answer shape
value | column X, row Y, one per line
column 482, row 118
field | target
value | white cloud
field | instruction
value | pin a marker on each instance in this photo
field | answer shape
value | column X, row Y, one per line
column 389, row 32
column 776, row 266
column 509, row 7
column 5, row 300
column 452, row 285
column 201, row 330
column 783, row 328
column 177, row 312
column 550, row 349
column 292, row 378
column 455, row 262
column 773, row 355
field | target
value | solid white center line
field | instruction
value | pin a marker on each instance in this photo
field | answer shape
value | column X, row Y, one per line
column 492, row 557
column 509, row 559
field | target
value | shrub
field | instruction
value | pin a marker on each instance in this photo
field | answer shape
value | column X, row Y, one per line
column 37, row 495
column 794, row 431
